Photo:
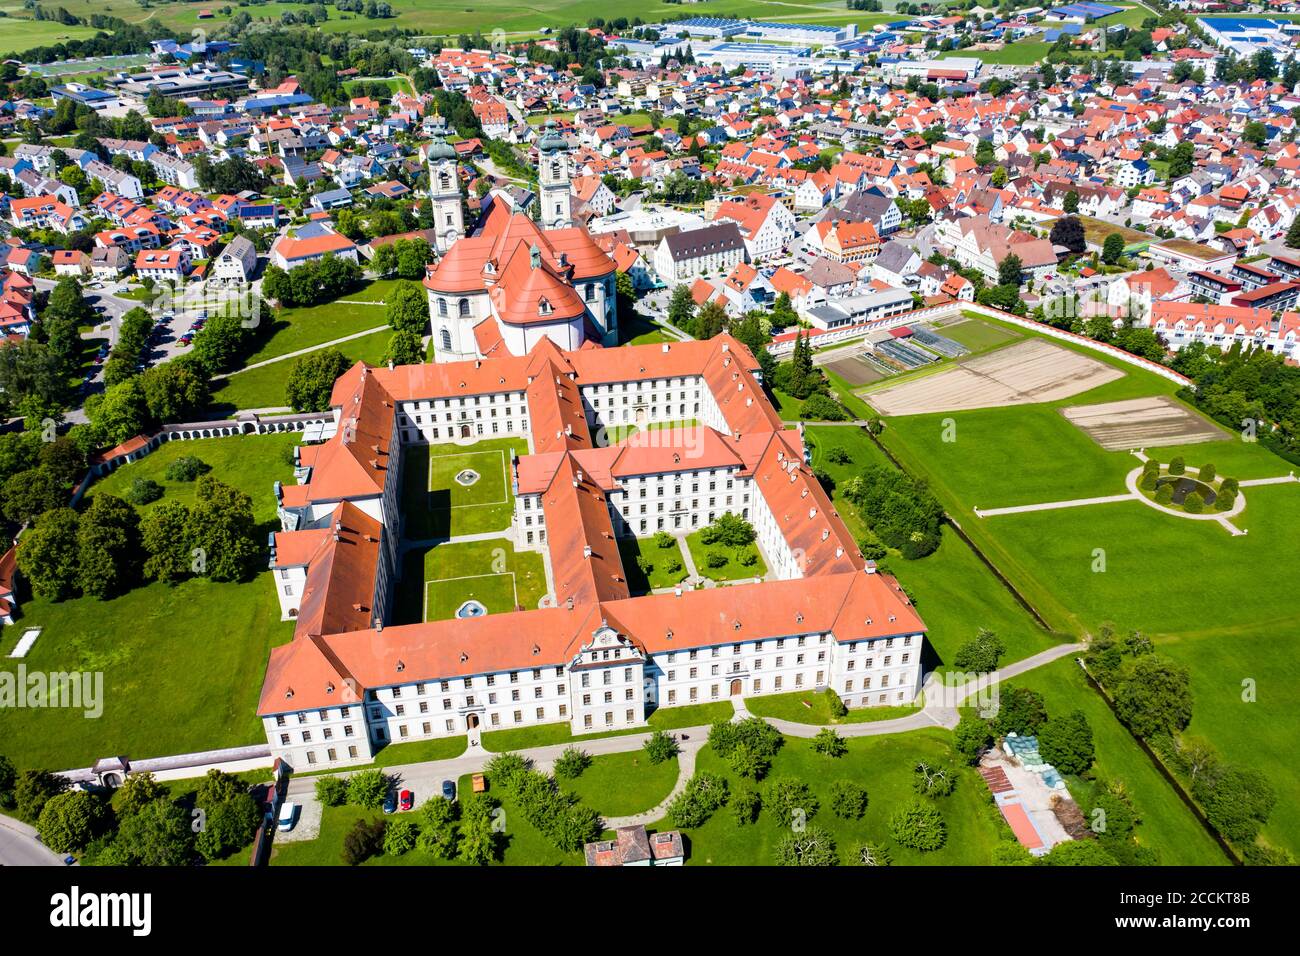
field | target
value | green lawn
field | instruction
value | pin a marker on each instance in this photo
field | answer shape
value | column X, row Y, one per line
column 251, row 463
column 734, row 569
column 1020, row 53
column 435, row 505
column 182, row 671
column 690, row 715
column 883, row 765
column 414, row 751
column 1167, row 825
column 543, row 735
column 979, row 336
column 811, row 707
column 21, row 34
column 294, row 329
column 264, row 387
column 617, row 434
column 619, row 785
column 657, row 574
column 442, row 578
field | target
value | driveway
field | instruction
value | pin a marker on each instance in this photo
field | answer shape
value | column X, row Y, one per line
column 20, row 847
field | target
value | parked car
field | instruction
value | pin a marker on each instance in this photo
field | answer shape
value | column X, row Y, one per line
column 288, row 816
column 449, row 790
column 390, row 803
column 405, row 800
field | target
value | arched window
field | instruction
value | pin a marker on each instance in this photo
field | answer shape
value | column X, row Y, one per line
column 464, row 308
column 445, row 337
column 442, row 306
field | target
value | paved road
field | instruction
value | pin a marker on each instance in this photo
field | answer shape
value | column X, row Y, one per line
column 19, row 846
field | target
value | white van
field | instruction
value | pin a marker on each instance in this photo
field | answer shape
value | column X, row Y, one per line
column 288, row 816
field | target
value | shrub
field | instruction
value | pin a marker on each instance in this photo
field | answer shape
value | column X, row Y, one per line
column 1177, row 466
column 663, row 539
column 1208, row 472
column 187, row 468
column 673, row 565
column 918, row 826
column 507, row 771
column 789, row 798
column 1165, row 494
column 749, row 558
column 1150, row 467
column 835, row 703
column 1148, row 481
column 829, row 743
column 871, row 854
column 934, row 780
column 715, row 559
column 368, row 789
column 332, row 791
column 839, row 456
column 645, row 564
column 572, row 763
column 745, row 806
column 143, row 491
column 704, row 794
column 822, row 408
column 364, row 840
column 400, row 836
column 660, row 747
column 848, row 800
column 1194, row 503
column 971, row 737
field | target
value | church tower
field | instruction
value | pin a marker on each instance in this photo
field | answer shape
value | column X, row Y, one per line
column 553, row 178
column 444, row 194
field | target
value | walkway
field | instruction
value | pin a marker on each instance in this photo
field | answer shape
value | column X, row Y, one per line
column 310, row 348
column 1051, row 505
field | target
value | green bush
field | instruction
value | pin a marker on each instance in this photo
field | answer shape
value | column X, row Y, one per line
column 715, row 559
column 749, row 558
column 673, row 565
column 572, row 763
column 400, row 836
column 660, row 747
column 332, row 791
column 1148, row 481
column 143, row 491
column 848, row 800
column 364, row 840
column 919, row 826
column 835, row 703
column 1177, row 466
column 1165, row 494
column 663, row 539
column 1194, row 503
column 830, row 744
column 1208, row 472
column 822, row 408
column 839, row 456
column 368, row 789
column 187, row 468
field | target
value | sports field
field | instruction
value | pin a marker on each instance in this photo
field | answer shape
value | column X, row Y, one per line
column 1220, row 604
column 451, row 489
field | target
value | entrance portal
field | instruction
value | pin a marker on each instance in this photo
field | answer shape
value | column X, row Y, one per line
column 735, row 687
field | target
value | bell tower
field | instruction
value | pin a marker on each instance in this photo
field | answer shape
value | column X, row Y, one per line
column 553, row 178
column 444, row 194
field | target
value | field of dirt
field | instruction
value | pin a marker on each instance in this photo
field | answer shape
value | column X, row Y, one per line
column 854, row 370
column 1020, row 374
column 1142, row 423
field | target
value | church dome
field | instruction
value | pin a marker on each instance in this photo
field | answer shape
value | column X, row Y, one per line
column 551, row 141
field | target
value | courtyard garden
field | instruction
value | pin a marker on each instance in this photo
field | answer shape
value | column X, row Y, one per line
column 438, row 583
column 450, row 489
column 652, row 563
column 726, row 550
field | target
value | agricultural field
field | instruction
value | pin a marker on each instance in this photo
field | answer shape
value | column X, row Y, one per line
column 18, row 34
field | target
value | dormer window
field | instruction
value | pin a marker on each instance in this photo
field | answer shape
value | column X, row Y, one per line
column 543, row 307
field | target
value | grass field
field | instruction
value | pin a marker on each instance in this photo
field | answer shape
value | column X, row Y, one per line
column 250, row 463
column 182, row 670
column 735, row 569
column 657, row 575
column 490, row 572
column 881, row 764
column 979, row 336
column 435, row 505
column 17, row 35
column 618, row 785
column 617, row 434
column 295, row 329
column 1020, row 53
column 1219, row 604
column 264, row 387
column 810, row 707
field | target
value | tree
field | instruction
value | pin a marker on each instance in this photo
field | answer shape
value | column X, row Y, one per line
column 368, row 788
column 70, row 821
column 1066, row 743
column 1071, row 203
column 400, row 836
column 1237, row 801
column 1112, row 249
column 408, row 308
column 790, row 800
column 1079, row 853
column 165, row 537
column 480, row 841
column 228, row 825
column 1020, row 711
column 108, row 547
column 812, row 846
column 49, row 555
column 848, row 800
column 311, row 380
column 822, row 408
column 1293, row 234
column 868, row 854
column 121, row 412
column 745, row 804
column 224, row 531
column 1068, row 232
column 971, row 737
column 702, row 796
column 1156, row 697
column 138, row 791
column 158, row 834
column 30, row 493
column 175, row 391
column 980, row 654
column 438, row 833
column 830, row 744
column 1010, row 270
column 33, row 789
column 404, row 348
column 364, row 840
column 571, row 763
column 223, row 342
column 681, row 307
column 919, row 826
column 332, row 791
column 660, row 747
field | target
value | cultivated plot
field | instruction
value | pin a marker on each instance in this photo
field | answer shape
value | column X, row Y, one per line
column 1142, row 423
column 855, row 370
column 1024, row 373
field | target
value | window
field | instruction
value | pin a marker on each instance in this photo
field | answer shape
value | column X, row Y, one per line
column 445, row 336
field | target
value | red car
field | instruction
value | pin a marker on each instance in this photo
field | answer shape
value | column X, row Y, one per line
column 405, row 800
